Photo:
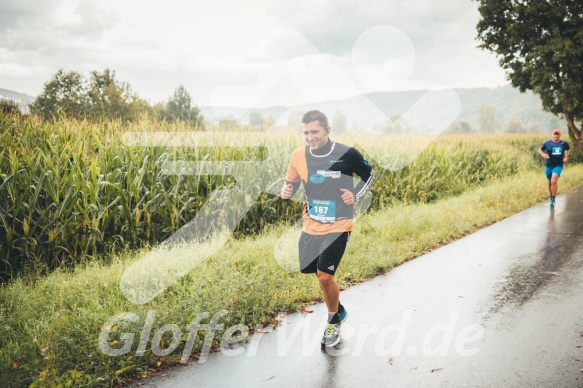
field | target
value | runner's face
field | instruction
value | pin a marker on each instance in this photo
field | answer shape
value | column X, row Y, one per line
column 556, row 136
column 315, row 134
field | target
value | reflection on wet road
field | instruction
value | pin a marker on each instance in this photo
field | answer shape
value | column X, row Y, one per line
column 501, row 307
column 541, row 265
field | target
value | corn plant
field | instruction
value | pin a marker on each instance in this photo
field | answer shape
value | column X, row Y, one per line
column 71, row 190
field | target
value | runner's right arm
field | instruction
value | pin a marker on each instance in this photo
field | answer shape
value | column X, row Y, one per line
column 292, row 181
column 289, row 189
column 542, row 151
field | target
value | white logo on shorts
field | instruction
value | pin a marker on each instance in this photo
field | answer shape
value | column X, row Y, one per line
column 331, row 268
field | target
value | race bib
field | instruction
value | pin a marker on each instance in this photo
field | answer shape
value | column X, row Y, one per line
column 322, row 210
column 557, row 151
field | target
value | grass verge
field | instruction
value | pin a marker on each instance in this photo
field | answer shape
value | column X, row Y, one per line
column 51, row 326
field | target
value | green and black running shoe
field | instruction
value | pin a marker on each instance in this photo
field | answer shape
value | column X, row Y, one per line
column 343, row 316
column 332, row 334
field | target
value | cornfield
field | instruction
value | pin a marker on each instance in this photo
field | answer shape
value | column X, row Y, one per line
column 71, row 190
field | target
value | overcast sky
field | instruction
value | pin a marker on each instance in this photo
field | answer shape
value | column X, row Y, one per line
column 254, row 53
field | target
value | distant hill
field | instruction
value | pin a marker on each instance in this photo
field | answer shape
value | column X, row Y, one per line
column 510, row 104
column 372, row 110
column 23, row 100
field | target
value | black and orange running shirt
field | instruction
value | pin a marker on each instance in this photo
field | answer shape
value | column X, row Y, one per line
column 323, row 173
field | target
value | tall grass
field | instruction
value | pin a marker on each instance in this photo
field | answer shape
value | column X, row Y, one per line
column 71, row 190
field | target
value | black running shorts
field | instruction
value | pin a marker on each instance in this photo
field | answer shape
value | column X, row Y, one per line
column 322, row 252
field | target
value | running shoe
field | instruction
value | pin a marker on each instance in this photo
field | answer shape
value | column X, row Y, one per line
column 343, row 317
column 332, row 334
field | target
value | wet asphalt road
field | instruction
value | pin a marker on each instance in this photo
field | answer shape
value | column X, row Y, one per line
column 502, row 307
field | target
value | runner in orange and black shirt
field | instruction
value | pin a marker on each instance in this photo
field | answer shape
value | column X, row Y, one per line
column 326, row 170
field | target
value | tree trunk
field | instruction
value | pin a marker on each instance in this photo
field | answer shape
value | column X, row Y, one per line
column 574, row 132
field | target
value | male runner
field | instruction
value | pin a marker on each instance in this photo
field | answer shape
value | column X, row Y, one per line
column 556, row 152
column 326, row 169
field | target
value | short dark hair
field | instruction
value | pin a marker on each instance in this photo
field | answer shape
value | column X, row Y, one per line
column 315, row 115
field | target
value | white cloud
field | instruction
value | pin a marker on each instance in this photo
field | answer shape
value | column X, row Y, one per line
column 271, row 49
column 66, row 14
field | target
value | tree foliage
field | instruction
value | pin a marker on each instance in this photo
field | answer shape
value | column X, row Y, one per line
column 487, row 118
column 256, row 119
column 459, row 127
column 514, row 126
column 103, row 96
column 110, row 98
column 540, row 45
column 9, row 107
column 339, row 123
column 180, row 108
column 294, row 120
column 64, row 95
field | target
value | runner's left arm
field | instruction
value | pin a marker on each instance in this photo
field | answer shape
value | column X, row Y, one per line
column 567, row 152
column 366, row 173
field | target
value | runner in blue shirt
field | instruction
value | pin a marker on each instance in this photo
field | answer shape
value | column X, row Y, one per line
column 556, row 152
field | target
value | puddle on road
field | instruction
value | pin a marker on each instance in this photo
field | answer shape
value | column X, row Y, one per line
column 521, row 283
column 531, row 273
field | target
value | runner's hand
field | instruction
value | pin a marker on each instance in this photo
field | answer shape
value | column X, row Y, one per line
column 287, row 191
column 347, row 196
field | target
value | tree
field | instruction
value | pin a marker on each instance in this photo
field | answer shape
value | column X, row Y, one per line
column 459, row 127
column 487, row 118
column 534, row 128
column 180, row 108
column 109, row 98
column 339, row 124
column 540, row 45
column 228, row 122
column 294, row 120
column 514, row 126
column 69, row 94
column 159, row 111
column 9, row 107
column 393, row 125
column 65, row 94
column 256, row 119
column 269, row 122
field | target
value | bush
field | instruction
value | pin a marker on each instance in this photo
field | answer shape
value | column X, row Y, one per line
column 9, row 107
